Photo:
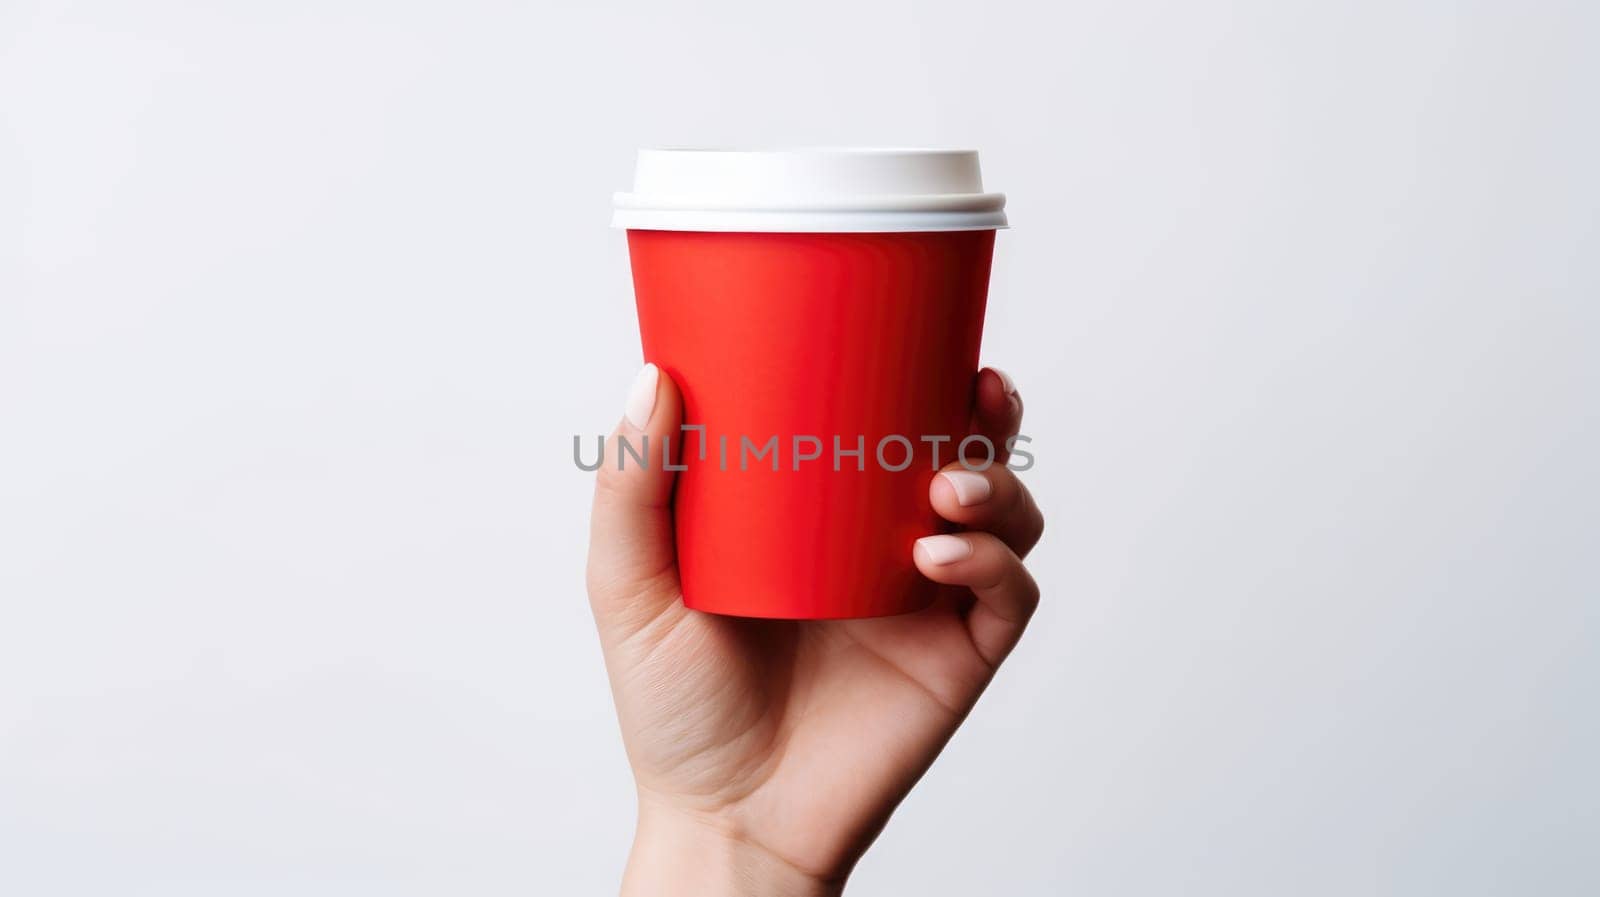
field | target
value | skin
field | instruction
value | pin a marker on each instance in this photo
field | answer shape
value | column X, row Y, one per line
column 769, row 754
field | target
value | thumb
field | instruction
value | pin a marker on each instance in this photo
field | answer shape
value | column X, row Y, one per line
column 633, row 573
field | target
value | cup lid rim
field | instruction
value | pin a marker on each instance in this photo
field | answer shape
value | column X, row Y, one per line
column 808, row 189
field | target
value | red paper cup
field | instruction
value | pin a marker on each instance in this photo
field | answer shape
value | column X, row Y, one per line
column 825, row 337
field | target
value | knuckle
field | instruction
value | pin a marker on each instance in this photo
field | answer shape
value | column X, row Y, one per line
column 1029, row 598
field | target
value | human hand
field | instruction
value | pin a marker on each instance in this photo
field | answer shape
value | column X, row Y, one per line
column 768, row 754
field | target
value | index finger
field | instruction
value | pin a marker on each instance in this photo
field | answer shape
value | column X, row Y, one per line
column 996, row 412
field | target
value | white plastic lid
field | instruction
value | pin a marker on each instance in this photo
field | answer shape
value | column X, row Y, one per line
column 808, row 191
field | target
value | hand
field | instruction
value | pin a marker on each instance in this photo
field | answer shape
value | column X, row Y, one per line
column 769, row 754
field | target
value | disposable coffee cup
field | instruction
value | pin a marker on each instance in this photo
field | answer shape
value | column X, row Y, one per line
column 821, row 312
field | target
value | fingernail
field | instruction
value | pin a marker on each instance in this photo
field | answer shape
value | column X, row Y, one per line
column 1005, row 381
column 941, row 550
column 971, row 488
column 642, row 396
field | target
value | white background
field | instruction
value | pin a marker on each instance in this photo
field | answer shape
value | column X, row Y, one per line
column 301, row 302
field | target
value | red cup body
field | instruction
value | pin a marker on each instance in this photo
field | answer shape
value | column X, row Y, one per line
column 856, row 337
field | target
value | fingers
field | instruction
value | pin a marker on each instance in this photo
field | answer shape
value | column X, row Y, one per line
column 1007, row 595
column 992, row 500
column 632, row 560
column 997, row 413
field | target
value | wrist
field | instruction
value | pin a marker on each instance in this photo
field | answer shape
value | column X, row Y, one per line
column 676, row 852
